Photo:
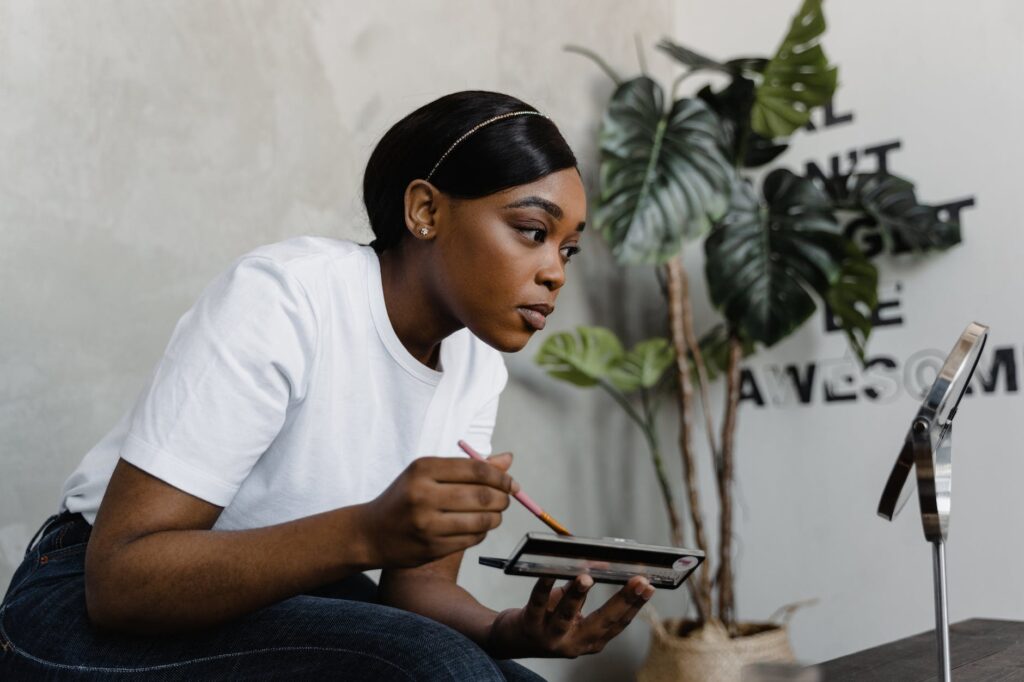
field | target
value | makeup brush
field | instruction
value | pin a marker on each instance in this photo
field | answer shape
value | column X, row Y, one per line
column 525, row 499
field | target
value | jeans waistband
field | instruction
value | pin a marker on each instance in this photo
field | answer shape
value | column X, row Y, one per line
column 53, row 522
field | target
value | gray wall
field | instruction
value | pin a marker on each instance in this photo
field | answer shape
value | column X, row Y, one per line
column 144, row 145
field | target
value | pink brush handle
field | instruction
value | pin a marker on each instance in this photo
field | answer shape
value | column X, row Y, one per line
column 525, row 499
column 529, row 503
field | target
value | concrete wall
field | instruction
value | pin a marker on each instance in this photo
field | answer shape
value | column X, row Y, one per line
column 144, row 145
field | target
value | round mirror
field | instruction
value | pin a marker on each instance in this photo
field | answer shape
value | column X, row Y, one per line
column 928, row 444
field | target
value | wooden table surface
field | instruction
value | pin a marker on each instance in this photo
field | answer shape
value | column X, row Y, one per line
column 981, row 649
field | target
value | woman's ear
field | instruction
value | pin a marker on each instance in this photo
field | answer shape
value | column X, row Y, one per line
column 421, row 203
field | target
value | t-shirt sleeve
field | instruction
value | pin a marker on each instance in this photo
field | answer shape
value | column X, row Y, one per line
column 480, row 430
column 220, row 394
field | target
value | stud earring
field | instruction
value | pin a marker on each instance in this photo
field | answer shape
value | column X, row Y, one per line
column 424, row 232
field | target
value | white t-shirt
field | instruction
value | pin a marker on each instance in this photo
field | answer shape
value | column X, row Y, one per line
column 284, row 392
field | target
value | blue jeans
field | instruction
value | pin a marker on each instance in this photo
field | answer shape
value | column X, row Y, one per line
column 336, row 632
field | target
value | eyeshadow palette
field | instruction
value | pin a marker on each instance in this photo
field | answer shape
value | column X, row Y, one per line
column 606, row 560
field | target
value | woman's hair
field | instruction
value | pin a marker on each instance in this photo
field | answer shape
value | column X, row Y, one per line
column 512, row 151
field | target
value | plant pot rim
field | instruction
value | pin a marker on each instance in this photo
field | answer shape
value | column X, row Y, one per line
column 758, row 634
column 675, row 658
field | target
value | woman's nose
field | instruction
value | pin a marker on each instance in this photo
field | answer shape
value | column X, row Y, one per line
column 551, row 274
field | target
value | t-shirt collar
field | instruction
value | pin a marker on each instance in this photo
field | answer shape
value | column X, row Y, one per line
column 386, row 331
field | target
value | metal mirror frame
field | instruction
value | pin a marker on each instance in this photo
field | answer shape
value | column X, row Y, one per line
column 927, row 444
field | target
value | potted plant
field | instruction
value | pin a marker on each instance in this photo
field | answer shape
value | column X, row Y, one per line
column 680, row 171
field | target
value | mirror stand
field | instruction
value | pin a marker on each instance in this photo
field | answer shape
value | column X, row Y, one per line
column 941, row 613
column 928, row 450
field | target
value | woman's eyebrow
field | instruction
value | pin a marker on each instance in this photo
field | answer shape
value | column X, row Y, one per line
column 550, row 207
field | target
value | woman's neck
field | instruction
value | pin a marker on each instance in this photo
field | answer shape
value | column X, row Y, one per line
column 415, row 312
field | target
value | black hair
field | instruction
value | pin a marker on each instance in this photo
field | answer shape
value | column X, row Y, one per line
column 513, row 151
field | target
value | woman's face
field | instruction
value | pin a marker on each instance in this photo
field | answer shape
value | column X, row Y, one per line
column 502, row 258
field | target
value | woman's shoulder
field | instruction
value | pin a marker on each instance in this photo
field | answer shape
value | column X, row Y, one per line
column 294, row 252
column 318, row 264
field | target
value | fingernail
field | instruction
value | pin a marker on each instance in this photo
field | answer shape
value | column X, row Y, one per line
column 641, row 589
column 648, row 593
column 585, row 582
column 515, row 487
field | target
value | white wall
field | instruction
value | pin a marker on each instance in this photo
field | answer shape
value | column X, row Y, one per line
column 941, row 78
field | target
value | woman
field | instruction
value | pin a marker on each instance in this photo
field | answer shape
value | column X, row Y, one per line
column 300, row 429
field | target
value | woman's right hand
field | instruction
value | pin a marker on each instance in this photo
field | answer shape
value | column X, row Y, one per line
column 436, row 507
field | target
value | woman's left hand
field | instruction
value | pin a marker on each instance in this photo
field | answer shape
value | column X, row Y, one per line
column 552, row 624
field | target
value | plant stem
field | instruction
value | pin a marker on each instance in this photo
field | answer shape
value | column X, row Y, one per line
column 726, row 599
column 623, row 402
column 676, row 293
column 679, row 79
column 646, row 424
column 666, row 491
column 675, row 523
column 698, row 362
column 640, row 54
column 594, row 57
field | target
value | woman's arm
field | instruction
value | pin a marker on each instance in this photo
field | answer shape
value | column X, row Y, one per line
column 153, row 565
column 430, row 590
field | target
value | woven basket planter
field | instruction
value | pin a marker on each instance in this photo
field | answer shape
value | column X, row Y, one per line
column 710, row 655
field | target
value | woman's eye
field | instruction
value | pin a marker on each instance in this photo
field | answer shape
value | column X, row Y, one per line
column 569, row 251
column 533, row 234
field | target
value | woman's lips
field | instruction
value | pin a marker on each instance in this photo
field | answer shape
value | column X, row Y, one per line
column 534, row 318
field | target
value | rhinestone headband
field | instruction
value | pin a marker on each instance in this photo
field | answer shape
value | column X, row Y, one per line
column 477, row 127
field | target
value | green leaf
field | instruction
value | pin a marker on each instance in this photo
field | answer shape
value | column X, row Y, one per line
column 688, row 57
column 733, row 105
column 764, row 262
column 747, row 65
column 853, row 298
column 797, row 79
column 697, row 61
column 891, row 201
column 583, row 360
column 663, row 175
column 643, row 365
column 714, row 348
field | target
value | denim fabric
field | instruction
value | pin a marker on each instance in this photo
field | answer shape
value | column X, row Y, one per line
column 45, row 633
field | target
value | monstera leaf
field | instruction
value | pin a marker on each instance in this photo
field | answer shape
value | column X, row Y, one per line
column 764, row 263
column 584, row 360
column 733, row 104
column 714, row 348
column 797, row 79
column 893, row 204
column 688, row 57
column 697, row 61
column 663, row 175
column 594, row 355
column 643, row 365
column 853, row 299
